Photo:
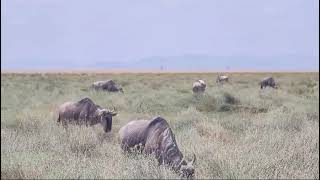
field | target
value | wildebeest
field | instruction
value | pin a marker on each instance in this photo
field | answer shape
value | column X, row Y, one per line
column 155, row 136
column 222, row 78
column 268, row 81
column 109, row 85
column 199, row 86
column 86, row 112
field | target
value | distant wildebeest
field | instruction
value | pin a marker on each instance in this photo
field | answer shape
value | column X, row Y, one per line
column 109, row 85
column 156, row 137
column 199, row 86
column 268, row 81
column 85, row 112
column 222, row 78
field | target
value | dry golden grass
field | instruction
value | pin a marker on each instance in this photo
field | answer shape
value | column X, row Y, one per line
column 236, row 130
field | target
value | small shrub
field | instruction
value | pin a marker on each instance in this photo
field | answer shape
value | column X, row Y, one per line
column 206, row 103
column 313, row 116
column 13, row 173
column 229, row 99
column 187, row 118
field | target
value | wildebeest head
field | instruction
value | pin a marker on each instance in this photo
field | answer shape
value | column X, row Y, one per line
column 187, row 168
column 106, row 118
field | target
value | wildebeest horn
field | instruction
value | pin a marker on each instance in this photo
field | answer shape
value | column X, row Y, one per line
column 113, row 111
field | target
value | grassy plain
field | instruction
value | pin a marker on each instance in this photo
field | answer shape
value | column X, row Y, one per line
column 236, row 130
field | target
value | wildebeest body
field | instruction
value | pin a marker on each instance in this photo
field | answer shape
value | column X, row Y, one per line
column 85, row 112
column 109, row 85
column 221, row 78
column 199, row 86
column 81, row 112
column 155, row 136
column 268, row 81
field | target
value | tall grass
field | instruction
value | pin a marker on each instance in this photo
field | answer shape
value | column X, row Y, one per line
column 236, row 130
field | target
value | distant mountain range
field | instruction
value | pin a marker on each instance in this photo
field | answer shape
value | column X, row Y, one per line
column 185, row 63
column 212, row 63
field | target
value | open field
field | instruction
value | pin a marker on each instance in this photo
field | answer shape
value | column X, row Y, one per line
column 236, row 130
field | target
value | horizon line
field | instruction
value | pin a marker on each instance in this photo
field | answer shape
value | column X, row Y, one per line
column 156, row 71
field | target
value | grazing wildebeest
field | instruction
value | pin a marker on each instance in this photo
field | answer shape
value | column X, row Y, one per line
column 268, row 81
column 85, row 112
column 199, row 86
column 109, row 85
column 155, row 136
column 222, row 78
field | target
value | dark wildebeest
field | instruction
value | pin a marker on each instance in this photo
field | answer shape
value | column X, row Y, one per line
column 222, row 78
column 85, row 112
column 268, row 81
column 109, row 85
column 199, row 86
column 155, row 136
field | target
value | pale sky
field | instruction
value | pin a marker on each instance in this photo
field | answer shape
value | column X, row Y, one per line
column 82, row 32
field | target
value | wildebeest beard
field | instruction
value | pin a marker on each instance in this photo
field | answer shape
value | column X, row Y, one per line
column 107, row 123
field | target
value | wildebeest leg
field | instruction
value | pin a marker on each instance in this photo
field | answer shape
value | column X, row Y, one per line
column 160, row 161
column 86, row 120
column 125, row 147
column 138, row 148
column 65, row 124
column 160, row 158
column 62, row 121
column 58, row 119
column 153, row 149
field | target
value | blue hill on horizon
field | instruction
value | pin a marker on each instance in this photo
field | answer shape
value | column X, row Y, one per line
column 203, row 63
column 186, row 63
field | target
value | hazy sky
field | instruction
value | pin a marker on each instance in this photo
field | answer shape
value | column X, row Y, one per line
column 83, row 31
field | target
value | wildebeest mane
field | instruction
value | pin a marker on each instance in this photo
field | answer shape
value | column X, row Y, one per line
column 171, row 149
column 158, row 121
column 86, row 107
column 85, row 100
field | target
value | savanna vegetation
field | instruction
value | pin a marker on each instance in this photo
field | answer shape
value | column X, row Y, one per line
column 236, row 129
